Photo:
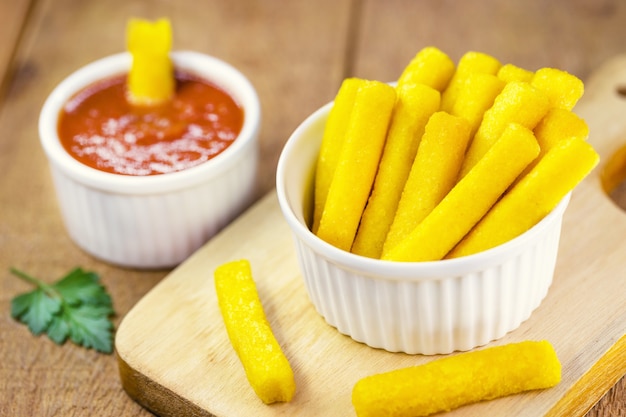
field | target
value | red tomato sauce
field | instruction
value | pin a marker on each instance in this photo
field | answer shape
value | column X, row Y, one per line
column 100, row 128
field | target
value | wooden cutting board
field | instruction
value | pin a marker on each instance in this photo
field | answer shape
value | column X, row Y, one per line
column 175, row 358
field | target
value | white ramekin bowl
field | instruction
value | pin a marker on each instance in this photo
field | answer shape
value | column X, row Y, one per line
column 153, row 221
column 413, row 307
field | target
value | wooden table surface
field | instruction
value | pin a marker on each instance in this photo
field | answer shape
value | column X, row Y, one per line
column 296, row 53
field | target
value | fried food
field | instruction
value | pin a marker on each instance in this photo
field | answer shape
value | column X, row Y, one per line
column 267, row 368
column 151, row 78
column 533, row 197
column 520, row 103
column 432, row 174
column 453, row 381
column 431, row 67
column 414, row 106
column 358, row 164
column 332, row 141
column 470, row 199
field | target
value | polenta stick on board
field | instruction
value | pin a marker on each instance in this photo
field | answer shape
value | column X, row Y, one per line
column 532, row 198
column 332, row 141
column 453, row 381
column 431, row 67
column 469, row 200
column 358, row 163
column 266, row 367
column 432, row 174
column 519, row 102
column 471, row 62
column 562, row 88
column 414, row 106
column 151, row 77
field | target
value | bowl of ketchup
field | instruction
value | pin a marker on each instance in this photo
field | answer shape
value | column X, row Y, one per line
column 146, row 186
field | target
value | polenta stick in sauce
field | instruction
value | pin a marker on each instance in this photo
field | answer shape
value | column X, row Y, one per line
column 432, row 174
column 414, row 106
column 519, row 102
column 151, row 78
column 510, row 72
column 469, row 200
column 431, row 67
column 476, row 97
column 563, row 89
column 471, row 62
column 266, row 366
column 332, row 141
column 532, row 198
column 358, row 163
column 453, row 381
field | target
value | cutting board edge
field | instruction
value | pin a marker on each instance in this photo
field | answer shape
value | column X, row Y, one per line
column 153, row 396
column 586, row 392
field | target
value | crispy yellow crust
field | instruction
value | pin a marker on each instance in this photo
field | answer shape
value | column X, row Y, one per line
column 151, row 77
column 520, row 103
column 510, row 72
column 453, row 381
column 562, row 88
column 470, row 63
column 430, row 67
column 432, row 175
column 461, row 208
column 358, row 163
column 476, row 97
column 414, row 106
column 332, row 141
column 533, row 197
column 266, row 366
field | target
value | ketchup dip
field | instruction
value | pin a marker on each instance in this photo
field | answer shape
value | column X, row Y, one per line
column 101, row 129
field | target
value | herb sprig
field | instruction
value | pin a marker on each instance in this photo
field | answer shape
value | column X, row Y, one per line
column 77, row 307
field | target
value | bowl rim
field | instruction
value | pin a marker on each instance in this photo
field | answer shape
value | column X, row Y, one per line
column 392, row 270
column 210, row 68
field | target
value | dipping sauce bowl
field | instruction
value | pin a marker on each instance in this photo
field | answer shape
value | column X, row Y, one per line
column 153, row 221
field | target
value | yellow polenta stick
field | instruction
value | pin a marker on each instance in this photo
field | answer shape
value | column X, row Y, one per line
column 469, row 199
column 358, row 163
column 519, row 102
column 563, row 89
column 431, row 67
column 266, row 366
column 476, row 97
column 433, row 174
column 556, row 125
column 151, row 78
column 453, row 381
column 332, row 141
column 414, row 106
column 532, row 198
column 510, row 72
column 470, row 62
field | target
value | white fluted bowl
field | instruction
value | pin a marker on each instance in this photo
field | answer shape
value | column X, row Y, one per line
column 153, row 221
column 413, row 307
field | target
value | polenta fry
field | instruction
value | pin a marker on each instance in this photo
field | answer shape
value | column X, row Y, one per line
column 265, row 364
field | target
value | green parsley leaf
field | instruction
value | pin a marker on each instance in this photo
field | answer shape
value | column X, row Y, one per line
column 35, row 309
column 75, row 307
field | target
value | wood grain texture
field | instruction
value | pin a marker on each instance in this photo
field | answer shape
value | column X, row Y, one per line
column 13, row 14
column 296, row 54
